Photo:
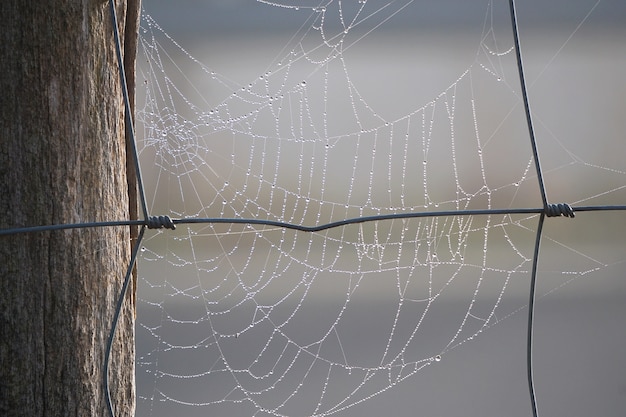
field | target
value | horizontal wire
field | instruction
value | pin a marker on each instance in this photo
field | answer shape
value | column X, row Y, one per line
column 357, row 220
column 46, row 228
column 303, row 228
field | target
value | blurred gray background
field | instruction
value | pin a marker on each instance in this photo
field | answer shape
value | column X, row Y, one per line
column 576, row 87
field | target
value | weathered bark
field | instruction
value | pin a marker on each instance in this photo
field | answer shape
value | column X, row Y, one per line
column 62, row 160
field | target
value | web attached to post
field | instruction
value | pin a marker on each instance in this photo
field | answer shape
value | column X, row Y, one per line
column 242, row 319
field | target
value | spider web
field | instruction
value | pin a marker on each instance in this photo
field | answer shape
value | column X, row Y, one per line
column 241, row 319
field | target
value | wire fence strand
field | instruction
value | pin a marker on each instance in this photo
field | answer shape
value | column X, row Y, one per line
column 151, row 223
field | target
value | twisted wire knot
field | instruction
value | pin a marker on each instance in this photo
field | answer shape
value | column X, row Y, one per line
column 556, row 210
column 160, row 222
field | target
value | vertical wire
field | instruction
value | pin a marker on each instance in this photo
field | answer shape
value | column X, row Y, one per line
column 116, row 316
column 544, row 199
column 529, row 121
column 531, row 316
column 129, row 119
column 142, row 197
